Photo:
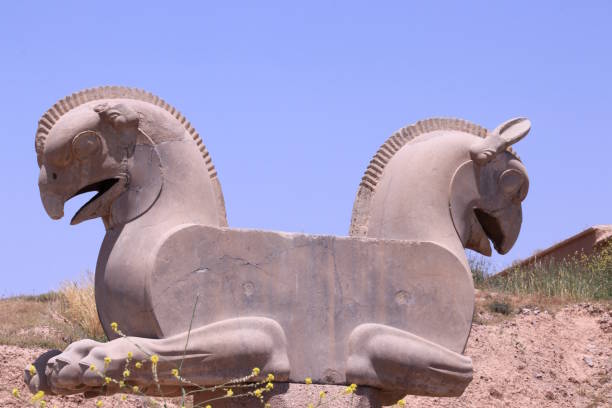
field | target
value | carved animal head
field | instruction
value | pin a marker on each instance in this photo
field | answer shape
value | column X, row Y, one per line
column 487, row 192
column 405, row 194
column 105, row 140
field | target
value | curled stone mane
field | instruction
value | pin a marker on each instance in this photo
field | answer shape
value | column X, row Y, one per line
column 63, row 106
column 374, row 171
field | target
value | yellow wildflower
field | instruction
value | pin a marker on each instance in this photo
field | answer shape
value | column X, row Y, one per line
column 32, row 369
column 349, row 390
column 322, row 394
column 98, row 403
column 121, row 384
column 267, row 405
column 135, row 388
column 154, row 358
column 107, row 361
column 270, row 377
column 107, row 380
column 229, row 393
column 114, row 326
column 42, row 404
column 92, row 367
column 175, row 372
column 123, row 397
column 38, row 396
column 15, row 393
column 308, row 380
column 269, row 386
column 257, row 393
column 208, row 406
column 138, row 365
column 256, row 371
column 401, row 403
column 126, row 373
column 130, row 355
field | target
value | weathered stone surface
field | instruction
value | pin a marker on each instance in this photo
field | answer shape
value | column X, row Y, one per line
column 389, row 307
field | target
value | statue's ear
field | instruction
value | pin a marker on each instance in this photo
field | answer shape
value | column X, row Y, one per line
column 513, row 130
column 502, row 137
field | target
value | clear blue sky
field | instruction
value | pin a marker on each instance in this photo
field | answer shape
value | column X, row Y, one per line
column 293, row 100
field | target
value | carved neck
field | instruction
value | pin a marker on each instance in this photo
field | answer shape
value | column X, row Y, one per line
column 412, row 197
column 168, row 185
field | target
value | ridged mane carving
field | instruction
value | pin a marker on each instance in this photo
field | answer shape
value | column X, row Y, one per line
column 386, row 152
column 63, row 106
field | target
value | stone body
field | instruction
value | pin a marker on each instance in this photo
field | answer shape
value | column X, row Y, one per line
column 388, row 307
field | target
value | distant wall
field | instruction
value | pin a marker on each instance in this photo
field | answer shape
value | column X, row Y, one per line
column 586, row 242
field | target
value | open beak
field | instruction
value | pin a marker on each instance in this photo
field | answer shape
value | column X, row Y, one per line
column 501, row 227
column 98, row 206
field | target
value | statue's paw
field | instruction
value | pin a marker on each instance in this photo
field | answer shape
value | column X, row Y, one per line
column 64, row 372
column 35, row 375
column 104, row 365
column 392, row 359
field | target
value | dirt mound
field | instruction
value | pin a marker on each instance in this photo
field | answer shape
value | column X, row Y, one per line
column 532, row 359
column 538, row 359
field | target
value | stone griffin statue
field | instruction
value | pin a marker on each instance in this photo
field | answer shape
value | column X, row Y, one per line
column 388, row 307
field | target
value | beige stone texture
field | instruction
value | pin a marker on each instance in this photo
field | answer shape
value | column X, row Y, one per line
column 388, row 308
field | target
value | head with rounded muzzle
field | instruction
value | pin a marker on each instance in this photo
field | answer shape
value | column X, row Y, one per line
column 487, row 191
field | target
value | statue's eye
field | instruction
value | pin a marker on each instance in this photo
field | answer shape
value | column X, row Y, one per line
column 86, row 144
column 54, row 176
column 514, row 184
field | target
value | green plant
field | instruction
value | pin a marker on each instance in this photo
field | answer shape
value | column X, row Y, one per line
column 480, row 267
column 576, row 278
column 500, row 307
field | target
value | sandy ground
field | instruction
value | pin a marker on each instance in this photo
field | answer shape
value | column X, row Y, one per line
column 533, row 359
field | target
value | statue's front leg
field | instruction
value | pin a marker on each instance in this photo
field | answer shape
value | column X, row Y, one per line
column 209, row 355
column 395, row 360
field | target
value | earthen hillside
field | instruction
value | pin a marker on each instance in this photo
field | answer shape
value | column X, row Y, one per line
column 536, row 356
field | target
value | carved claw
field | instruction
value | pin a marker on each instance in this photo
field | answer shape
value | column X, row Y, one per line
column 37, row 380
column 60, row 372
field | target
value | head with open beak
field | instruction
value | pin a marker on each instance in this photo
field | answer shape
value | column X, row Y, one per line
column 487, row 191
column 86, row 149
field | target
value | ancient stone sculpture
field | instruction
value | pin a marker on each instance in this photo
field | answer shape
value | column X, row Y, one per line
column 389, row 307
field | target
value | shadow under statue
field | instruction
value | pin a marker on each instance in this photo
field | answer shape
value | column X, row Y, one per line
column 388, row 308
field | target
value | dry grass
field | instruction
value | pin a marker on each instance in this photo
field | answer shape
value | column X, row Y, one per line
column 51, row 320
column 78, row 306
